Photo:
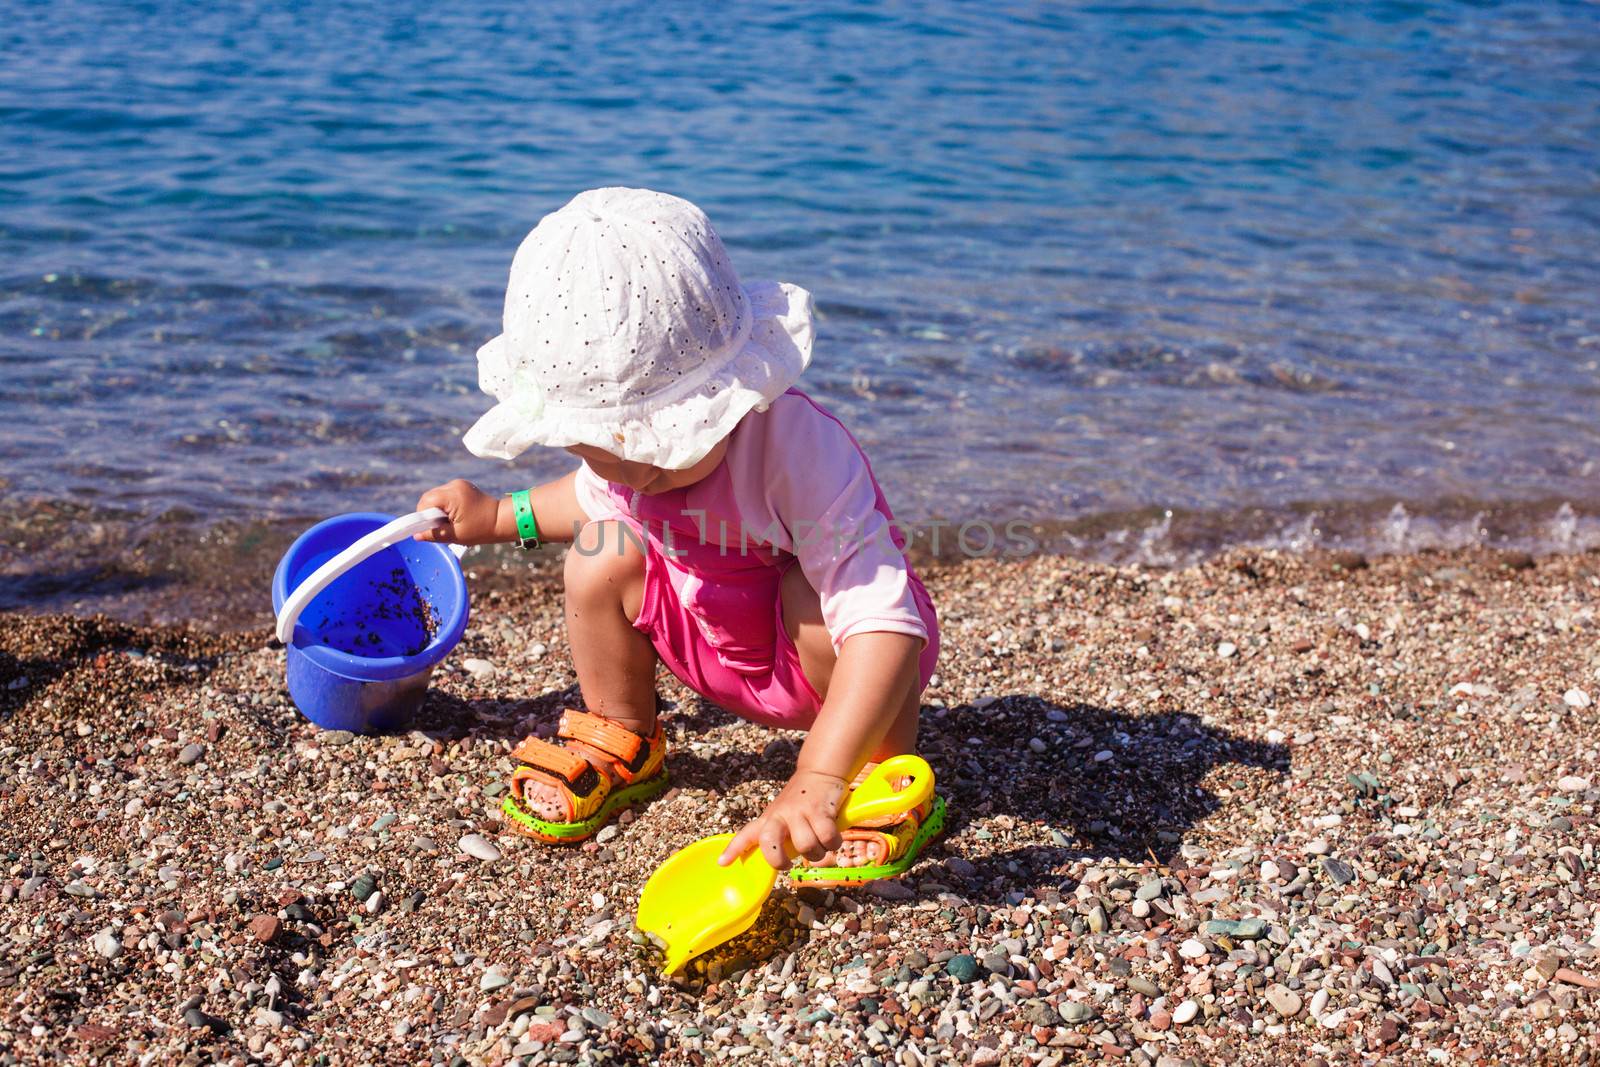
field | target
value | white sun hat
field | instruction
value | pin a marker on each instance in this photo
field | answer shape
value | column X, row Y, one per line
column 627, row 329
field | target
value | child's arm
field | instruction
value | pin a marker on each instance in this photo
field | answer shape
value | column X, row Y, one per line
column 874, row 672
column 476, row 518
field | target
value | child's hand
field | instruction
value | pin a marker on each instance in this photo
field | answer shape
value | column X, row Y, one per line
column 801, row 817
column 472, row 514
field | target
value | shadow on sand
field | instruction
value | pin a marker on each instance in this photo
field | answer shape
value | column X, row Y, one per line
column 1108, row 784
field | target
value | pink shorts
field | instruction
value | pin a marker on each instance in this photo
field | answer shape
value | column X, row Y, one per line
column 772, row 692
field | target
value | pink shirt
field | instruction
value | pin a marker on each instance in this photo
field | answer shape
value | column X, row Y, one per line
column 797, row 483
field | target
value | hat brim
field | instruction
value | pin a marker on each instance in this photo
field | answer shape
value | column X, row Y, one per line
column 680, row 431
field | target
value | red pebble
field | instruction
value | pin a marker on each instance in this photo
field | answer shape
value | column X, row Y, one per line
column 265, row 927
column 546, row 1032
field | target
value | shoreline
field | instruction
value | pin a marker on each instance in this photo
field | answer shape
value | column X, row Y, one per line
column 1272, row 806
column 170, row 570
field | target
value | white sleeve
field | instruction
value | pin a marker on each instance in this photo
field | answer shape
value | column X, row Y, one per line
column 594, row 496
column 821, row 490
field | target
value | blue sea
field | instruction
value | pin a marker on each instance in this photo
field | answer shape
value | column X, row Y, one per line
column 1160, row 278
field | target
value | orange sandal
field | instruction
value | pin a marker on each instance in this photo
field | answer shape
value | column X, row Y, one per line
column 638, row 763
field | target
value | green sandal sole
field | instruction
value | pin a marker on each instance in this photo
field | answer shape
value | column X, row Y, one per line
column 580, row 831
column 931, row 827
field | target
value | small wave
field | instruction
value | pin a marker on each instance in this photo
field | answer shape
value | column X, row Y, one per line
column 1174, row 540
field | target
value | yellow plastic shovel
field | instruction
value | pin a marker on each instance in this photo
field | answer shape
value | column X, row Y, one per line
column 692, row 905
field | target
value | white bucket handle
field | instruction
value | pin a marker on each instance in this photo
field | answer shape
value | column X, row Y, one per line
column 401, row 529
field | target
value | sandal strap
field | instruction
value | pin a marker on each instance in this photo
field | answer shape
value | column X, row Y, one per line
column 560, row 763
column 607, row 738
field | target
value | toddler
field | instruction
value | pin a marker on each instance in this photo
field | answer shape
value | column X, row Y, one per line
column 723, row 523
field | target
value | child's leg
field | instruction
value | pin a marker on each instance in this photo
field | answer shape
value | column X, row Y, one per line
column 802, row 618
column 616, row 665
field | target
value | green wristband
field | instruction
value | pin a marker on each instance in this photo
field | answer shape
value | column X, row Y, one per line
column 527, row 528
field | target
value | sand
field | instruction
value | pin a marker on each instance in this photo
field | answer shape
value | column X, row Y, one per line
column 1268, row 809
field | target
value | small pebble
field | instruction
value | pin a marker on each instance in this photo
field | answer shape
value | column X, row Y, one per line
column 963, row 968
column 1143, row 985
column 479, row 847
column 1338, row 871
column 480, row 669
column 108, row 944
column 1185, row 1012
column 1244, row 929
column 1284, row 1001
column 191, row 753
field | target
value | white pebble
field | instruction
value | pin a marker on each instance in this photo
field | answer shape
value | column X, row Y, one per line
column 1037, row 745
column 1572, row 784
column 1226, row 649
column 1576, row 698
column 375, row 903
column 1319, row 1003
column 108, row 944
column 1269, row 871
column 1192, row 949
column 480, row 669
column 1185, row 1013
column 479, row 847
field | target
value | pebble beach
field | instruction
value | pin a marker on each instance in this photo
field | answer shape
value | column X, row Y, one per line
column 1272, row 808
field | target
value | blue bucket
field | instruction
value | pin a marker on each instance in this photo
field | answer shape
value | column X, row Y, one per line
column 364, row 648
